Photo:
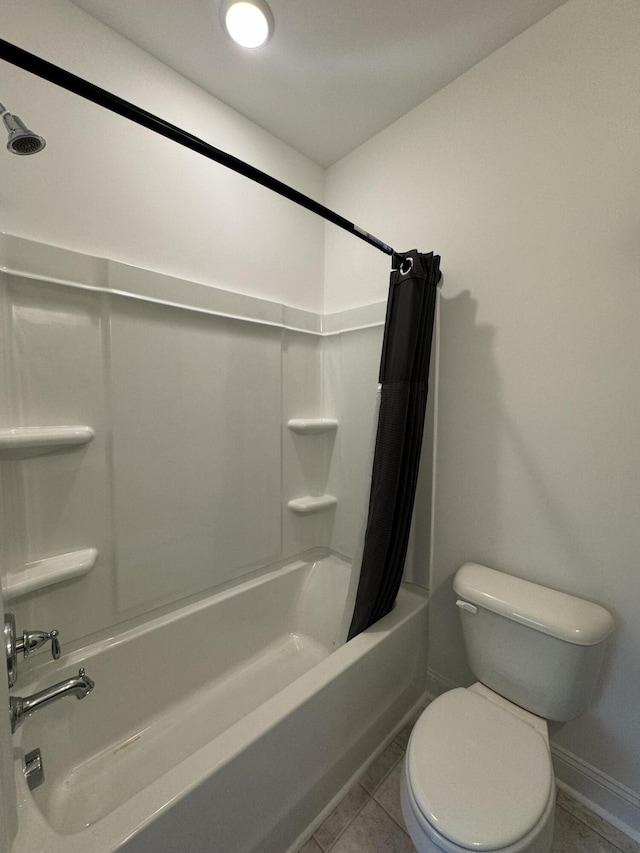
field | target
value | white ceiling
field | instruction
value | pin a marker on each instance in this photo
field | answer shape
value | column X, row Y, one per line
column 336, row 71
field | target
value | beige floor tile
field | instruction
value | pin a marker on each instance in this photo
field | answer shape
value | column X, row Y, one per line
column 606, row 830
column 373, row 831
column 388, row 795
column 381, row 767
column 341, row 816
column 311, row 847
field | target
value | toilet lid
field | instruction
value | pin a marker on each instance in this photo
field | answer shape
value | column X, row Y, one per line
column 481, row 776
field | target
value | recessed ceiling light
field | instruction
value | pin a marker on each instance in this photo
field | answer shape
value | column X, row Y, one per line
column 248, row 22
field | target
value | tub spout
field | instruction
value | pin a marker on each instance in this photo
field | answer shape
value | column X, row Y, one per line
column 20, row 707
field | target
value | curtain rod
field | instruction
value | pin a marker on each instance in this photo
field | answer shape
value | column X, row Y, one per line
column 66, row 80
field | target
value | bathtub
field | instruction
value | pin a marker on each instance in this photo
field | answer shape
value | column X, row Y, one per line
column 228, row 726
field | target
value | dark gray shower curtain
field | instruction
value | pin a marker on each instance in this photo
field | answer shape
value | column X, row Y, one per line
column 404, row 373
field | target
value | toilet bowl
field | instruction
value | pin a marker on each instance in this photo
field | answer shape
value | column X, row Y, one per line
column 478, row 776
column 477, row 773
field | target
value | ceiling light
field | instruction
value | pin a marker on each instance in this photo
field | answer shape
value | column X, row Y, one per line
column 248, row 22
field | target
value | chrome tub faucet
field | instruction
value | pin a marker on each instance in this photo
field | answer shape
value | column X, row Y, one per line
column 20, row 707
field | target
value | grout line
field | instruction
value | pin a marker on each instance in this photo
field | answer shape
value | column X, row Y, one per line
column 370, row 796
column 380, row 785
column 339, row 836
column 387, row 774
column 388, row 813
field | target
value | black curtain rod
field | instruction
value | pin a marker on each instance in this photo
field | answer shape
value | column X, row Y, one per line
column 54, row 74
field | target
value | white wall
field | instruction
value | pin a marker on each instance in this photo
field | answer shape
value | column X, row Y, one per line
column 523, row 174
column 109, row 188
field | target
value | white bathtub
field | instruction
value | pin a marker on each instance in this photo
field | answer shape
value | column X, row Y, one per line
column 225, row 727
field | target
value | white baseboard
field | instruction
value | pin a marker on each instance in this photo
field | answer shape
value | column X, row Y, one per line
column 598, row 792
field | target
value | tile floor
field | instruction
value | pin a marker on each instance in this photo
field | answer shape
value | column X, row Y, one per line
column 369, row 818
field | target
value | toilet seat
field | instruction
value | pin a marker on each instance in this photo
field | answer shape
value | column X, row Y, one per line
column 476, row 774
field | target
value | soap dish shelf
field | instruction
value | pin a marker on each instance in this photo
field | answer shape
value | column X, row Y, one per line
column 22, row 442
column 309, row 503
column 312, row 426
column 48, row 572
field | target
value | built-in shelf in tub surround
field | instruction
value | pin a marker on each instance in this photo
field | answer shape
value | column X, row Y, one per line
column 21, row 442
column 50, row 571
column 310, row 503
column 312, row 426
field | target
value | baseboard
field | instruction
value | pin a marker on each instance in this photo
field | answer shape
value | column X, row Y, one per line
column 606, row 797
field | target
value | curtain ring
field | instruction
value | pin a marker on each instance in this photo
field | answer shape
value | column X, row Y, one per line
column 404, row 270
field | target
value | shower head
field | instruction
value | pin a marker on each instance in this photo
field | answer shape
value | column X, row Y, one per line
column 21, row 139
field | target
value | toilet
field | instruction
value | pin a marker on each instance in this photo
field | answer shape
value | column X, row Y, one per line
column 477, row 773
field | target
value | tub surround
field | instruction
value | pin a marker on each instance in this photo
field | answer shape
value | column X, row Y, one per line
column 122, row 385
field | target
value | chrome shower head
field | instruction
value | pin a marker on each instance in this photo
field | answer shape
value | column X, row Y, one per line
column 21, row 139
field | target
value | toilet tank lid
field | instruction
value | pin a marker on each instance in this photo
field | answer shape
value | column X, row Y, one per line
column 547, row 610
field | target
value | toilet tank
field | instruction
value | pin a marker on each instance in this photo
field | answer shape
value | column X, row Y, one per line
column 539, row 648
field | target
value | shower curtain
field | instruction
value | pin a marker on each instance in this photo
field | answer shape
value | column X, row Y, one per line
column 404, row 372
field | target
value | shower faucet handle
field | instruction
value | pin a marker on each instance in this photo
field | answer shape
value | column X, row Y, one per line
column 29, row 642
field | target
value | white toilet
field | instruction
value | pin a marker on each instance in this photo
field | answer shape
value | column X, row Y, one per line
column 477, row 773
